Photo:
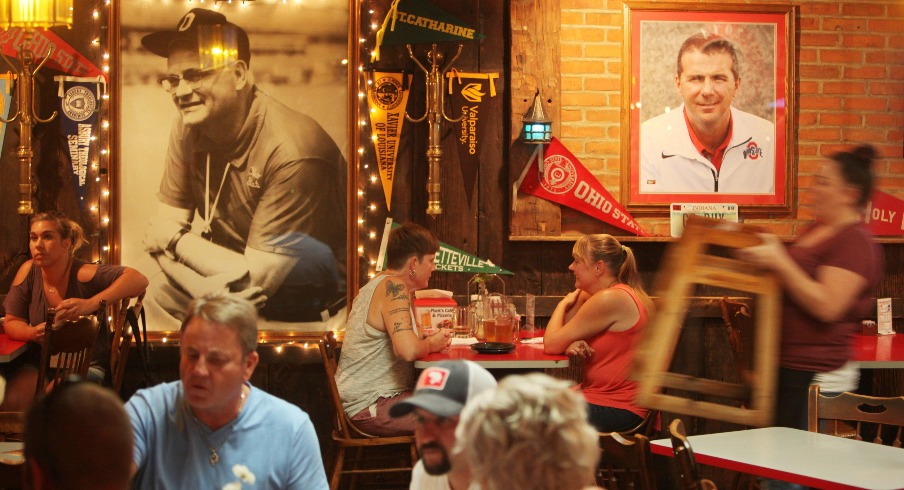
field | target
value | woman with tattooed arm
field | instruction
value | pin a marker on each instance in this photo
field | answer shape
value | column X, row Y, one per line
column 376, row 368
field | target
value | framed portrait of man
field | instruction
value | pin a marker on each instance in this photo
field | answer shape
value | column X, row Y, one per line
column 708, row 99
column 232, row 154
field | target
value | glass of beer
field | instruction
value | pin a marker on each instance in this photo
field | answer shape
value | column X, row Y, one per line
column 464, row 323
column 504, row 328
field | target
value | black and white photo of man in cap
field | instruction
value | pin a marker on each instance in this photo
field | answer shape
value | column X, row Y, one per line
column 442, row 391
column 252, row 198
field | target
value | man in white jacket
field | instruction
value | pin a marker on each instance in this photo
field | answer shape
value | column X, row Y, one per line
column 706, row 145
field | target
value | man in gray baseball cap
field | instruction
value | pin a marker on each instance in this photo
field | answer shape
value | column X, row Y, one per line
column 441, row 393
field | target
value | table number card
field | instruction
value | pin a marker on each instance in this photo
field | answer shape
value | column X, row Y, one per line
column 883, row 316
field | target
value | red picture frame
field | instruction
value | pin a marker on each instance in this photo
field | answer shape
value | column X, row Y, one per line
column 763, row 36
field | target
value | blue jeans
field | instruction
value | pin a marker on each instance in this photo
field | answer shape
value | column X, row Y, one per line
column 608, row 419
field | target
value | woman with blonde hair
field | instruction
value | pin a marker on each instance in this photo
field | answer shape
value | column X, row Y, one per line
column 55, row 278
column 530, row 432
column 602, row 320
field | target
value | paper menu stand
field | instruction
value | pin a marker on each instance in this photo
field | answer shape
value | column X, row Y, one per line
column 883, row 316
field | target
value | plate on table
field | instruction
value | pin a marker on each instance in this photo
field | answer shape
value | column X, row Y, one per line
column 493, row 347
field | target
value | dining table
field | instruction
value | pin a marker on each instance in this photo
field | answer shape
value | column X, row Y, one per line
column 10, row 349
column 527, row 354
column 798, row 456
column 879, row 351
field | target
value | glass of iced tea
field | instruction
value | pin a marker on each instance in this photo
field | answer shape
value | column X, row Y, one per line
column 464, row 322
column 505, row 331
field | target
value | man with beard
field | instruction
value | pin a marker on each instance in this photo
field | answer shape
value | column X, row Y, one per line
column 440, row 395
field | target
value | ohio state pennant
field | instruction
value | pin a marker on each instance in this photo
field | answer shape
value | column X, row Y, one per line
column 566, row 181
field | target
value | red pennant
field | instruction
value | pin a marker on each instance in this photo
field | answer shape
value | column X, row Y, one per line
column 64, row 58
column 884, row 214
column 567, row 182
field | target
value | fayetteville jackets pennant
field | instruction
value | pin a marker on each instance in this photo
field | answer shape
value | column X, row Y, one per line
column 471, row 96
column 885, row 214
column 387, row 98
column 79, row 106
column 448, row 259
column 64, row 57
column 420, row 22
column 565, row 181
column 6, row 85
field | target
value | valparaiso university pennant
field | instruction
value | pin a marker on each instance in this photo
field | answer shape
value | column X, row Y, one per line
column 471, row 96
column 387, row 98
column 448, row 259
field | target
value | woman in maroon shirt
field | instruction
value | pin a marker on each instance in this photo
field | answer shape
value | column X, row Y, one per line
column 829, row 275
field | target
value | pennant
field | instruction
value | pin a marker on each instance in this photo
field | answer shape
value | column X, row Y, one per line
column 6, row 85
column 64, row 57
column 470, row 94
column 566, row 181
column 885, row 214
column 387, row 97
column 448, row 259
column 79, row 107
column 420, row 22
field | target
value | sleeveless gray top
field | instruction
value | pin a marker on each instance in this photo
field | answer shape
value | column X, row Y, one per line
column 368, row 367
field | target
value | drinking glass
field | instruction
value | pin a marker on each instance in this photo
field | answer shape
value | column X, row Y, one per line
column 464, row 322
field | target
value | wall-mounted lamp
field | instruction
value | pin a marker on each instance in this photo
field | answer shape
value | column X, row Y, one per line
column 30, row 15
column 537, row 127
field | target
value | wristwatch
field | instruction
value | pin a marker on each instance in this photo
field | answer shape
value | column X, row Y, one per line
column 170, row 250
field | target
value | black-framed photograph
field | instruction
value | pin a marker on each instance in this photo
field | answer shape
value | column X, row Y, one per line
column 232, row 156
column 708, row 99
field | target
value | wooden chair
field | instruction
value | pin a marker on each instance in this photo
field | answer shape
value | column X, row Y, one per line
column 689, row 475
column 625, row 463
column 738, row 323
column 122, row 338
column 646, row 426
column 348, row 437
column 72, row 343
column 845, row 414
column 699, row 258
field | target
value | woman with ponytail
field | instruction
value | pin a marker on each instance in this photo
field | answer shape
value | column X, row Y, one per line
column 829, row 274
column 602, row 320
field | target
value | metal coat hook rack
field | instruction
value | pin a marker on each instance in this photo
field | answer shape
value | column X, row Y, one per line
column 434, row 113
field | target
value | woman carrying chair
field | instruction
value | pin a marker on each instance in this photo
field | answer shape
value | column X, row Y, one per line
column 54, row 278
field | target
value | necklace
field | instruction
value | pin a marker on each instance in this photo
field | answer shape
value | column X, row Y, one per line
column 214, row 452
column 54, row 288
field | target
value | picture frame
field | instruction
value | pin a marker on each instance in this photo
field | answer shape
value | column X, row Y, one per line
column 660, row 161
column 299, row 58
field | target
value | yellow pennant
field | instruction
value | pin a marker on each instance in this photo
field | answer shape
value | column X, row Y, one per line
column 387, row 98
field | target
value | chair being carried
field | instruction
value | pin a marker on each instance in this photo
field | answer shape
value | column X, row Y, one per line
column 71, row 342
column 347, row 436
column 841, row 411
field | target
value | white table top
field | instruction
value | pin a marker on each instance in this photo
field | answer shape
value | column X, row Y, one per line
column 798, row 456
column 11, row 452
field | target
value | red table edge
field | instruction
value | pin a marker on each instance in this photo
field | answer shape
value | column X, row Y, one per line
column 663, row 447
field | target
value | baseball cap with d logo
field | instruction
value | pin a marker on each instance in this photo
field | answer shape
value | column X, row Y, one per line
column 202, row 28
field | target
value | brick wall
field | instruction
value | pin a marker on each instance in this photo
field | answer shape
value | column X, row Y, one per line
column 850, row 90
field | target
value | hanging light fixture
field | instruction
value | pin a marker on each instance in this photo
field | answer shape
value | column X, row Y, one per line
column 30, row 15
column 537, row 127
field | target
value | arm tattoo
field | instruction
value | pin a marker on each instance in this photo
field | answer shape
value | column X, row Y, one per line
column 397, row 327
column 395, row 290
column 398, row 310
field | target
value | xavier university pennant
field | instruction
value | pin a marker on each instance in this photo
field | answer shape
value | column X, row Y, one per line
column 78, row 108
column 567, row 182
column 387, row 97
